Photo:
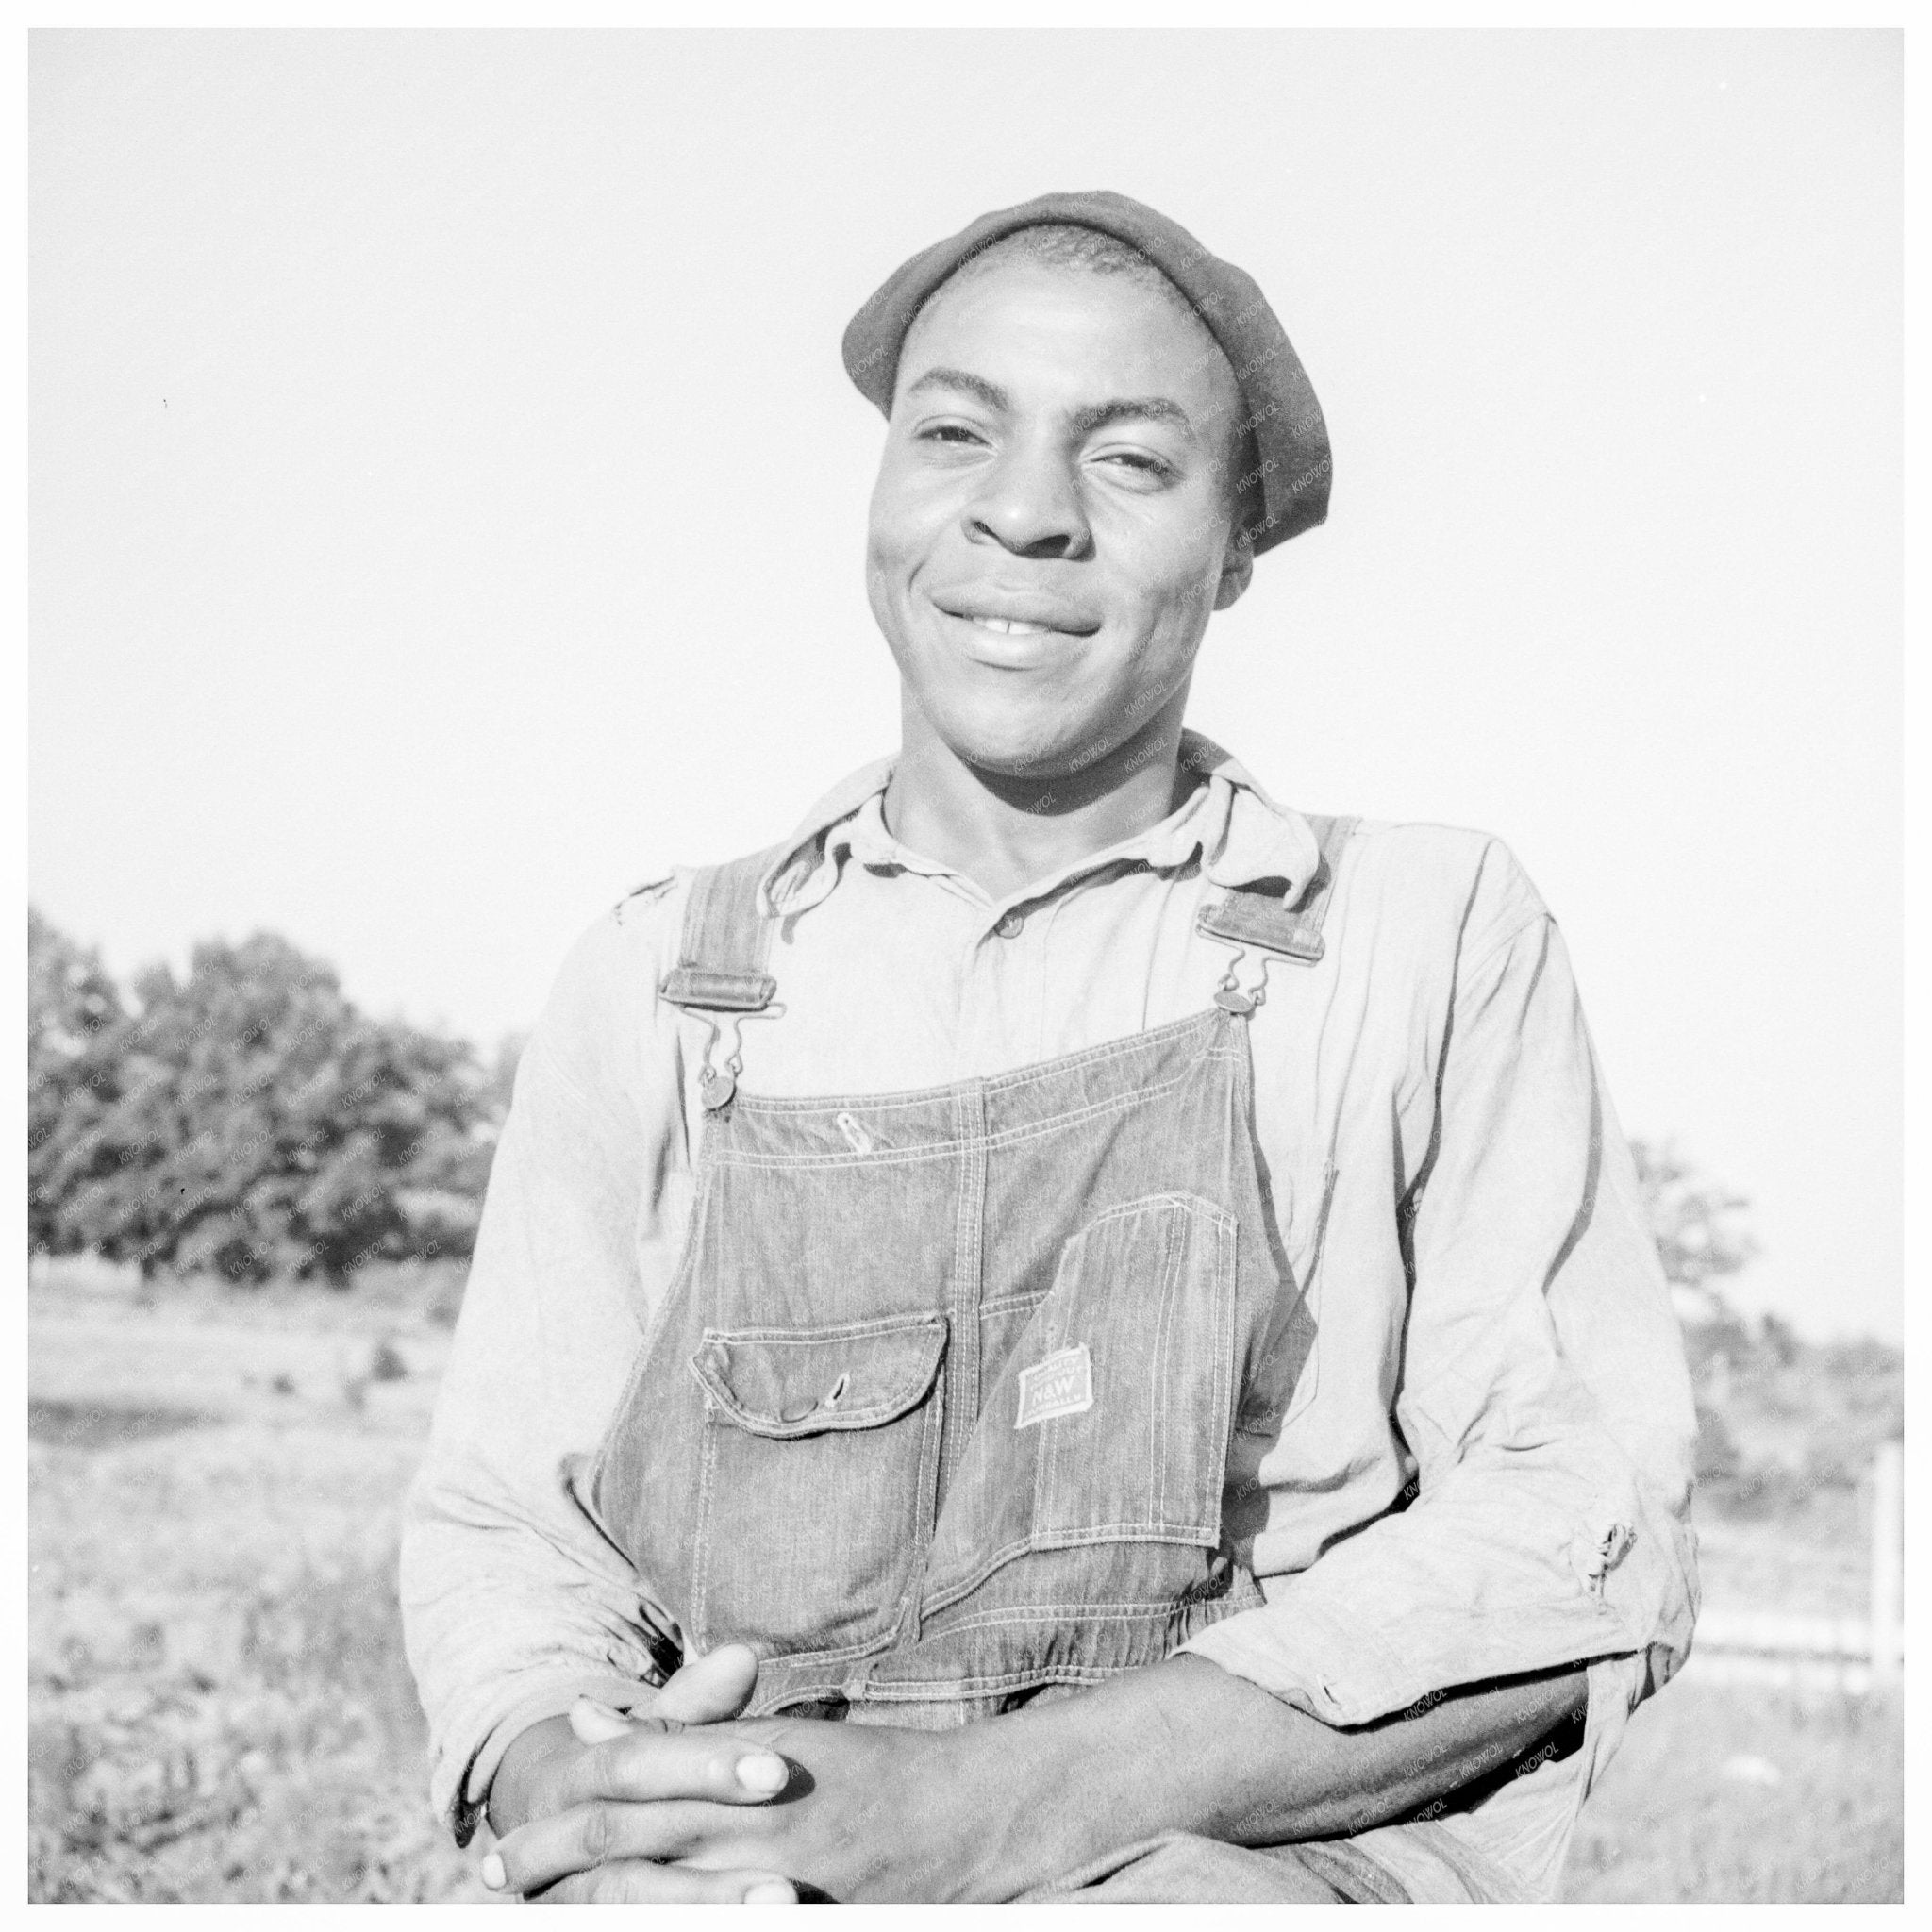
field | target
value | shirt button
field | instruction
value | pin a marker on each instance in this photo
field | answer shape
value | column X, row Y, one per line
column 1009, row 926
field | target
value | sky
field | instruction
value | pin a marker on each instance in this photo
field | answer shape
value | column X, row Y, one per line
column 447, row 504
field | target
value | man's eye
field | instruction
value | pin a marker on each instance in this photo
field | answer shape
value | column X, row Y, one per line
column 949, row 432
column 1138, row 460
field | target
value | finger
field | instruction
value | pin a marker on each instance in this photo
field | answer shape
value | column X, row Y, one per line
column 644, row 1765
column 715, row 1685
column 608, row 1831
column 635, row 1881
column 593, row 1723
column 706, row 1690
column 647, row 1765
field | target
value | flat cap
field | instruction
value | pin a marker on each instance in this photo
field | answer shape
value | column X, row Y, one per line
column 1289, row 478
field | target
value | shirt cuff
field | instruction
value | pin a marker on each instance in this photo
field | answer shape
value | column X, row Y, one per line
column 1255, row 1645
column 1301, row 1649
column 461, row 1798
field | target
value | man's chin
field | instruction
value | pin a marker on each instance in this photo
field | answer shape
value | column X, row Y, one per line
column 1048, row 757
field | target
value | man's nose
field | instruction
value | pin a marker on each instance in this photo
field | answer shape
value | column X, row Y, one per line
column 1031, row 506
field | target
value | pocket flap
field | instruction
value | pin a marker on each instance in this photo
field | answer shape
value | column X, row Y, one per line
column 802, row 1382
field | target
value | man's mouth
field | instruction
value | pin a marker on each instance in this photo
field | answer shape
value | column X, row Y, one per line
column 1043, row 620
column 1011, row 627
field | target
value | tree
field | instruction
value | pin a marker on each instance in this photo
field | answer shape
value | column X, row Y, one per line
column 72, row 1014
column 1696, row 1222
column 262, row 1126
column 1699, row 1240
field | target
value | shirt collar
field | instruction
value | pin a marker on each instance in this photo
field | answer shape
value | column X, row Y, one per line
column 1239, row 833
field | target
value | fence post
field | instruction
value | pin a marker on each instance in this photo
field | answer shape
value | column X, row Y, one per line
column 1887, row 1562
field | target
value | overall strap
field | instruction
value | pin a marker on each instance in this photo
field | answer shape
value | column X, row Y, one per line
column 726, row 940
column 1248, row 917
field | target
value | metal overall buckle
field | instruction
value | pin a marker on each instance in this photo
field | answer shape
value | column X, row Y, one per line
column 717, row 1085
column 1232, row 997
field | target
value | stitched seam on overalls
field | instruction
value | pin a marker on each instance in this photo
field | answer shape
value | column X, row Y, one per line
column 701, row 1554
column 1012, row 1304
column 1173, row 1197
column 1004, row 1137
column 923, row 1690
column 1228, row 1262
column 843, row 1653
column 1157, row 1410
column 1079, row 1116
column 911, row 1099
column 838, row 1331
column 880, row 1157
column 1015, row 1077
column 1182, row 1534
column 1156, row 1529
column 956, row 1689
column 962, row 1415
column 1162, row 1611
column 932, row 1444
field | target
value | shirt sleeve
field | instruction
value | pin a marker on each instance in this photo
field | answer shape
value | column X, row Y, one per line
column 1541, row 1392
column 513, row 1602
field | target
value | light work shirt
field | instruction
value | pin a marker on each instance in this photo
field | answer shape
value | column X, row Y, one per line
column 1485, row 1468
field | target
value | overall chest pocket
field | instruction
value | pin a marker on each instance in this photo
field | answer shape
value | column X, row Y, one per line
column 820, row 1448
column 1108, row 1418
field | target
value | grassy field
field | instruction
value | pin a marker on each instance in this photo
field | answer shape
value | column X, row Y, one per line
column 1727, row 1794
column 219, row 1705
column 220, row 1708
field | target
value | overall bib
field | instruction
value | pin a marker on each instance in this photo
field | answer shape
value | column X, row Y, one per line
column 937, row 1412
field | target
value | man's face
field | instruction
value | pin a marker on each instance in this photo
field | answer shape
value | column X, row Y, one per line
column 1051, row 525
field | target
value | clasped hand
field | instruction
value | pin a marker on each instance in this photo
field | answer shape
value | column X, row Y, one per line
column 681, row 1803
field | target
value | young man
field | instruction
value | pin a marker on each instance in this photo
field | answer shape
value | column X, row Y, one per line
column 1108, row 1327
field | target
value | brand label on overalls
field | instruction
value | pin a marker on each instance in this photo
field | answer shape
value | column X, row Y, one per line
column 1060, row 1385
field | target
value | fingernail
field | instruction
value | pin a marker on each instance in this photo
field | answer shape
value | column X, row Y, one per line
column 763, row 1772
column 772, row 1891
column 493, row 1873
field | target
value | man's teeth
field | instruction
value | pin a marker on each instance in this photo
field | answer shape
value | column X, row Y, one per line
column 1011, row 627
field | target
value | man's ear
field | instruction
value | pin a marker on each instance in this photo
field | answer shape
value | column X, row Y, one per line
column 1237, row 567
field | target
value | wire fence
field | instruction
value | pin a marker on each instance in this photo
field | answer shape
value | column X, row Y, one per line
column 1855, row 1655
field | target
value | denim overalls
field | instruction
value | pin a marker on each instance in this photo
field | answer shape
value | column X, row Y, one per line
column 937, row 1412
